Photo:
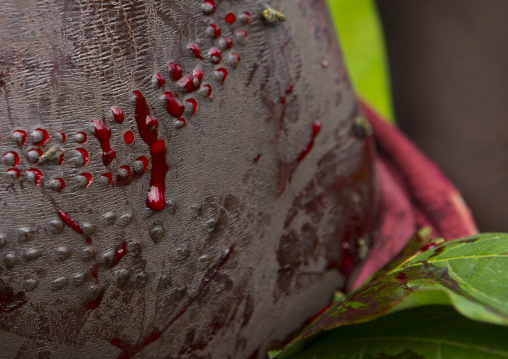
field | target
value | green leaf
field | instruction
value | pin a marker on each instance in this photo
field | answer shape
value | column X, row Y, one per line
column 471, row 274
column 431, row 332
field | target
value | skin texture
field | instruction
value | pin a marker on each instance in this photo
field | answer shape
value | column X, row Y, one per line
column 447, row 61
column 254, row 206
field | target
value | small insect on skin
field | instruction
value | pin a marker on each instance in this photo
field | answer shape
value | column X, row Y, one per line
column 272, row 15
column 49, row 155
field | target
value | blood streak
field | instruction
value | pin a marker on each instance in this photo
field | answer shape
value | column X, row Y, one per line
column 173, row 104
column 316, row 127
column 215, row 55
column 216, row 30
column 192, row 81
column 88, row 177
column 68, row 221
column 109, row 176
column 155, row 199
column 129, row 350
column 103, row 134
column 117, row 114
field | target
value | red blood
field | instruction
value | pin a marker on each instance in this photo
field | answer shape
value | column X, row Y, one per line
column 236, row 56
column 173, row 104
column 88, row 177
column 155, row 199
column 37, row 175
column 192, row 82
column 224, row 73
column 128, row 137
column 10, row 301
column 427, row 247
column 63, row 136
column 215, row 55
column 39, row 152
column 145, row 163
column 68, row 221
column 290, row 87
column 246, row 17
column 242, row 32
column 316, row 127
column 230, row 18
column 45, row 137
column 109, row 176
column 94, row 304
column 195, row 50
column 160, row 79
column 85, row 137
column 21, row 135
column 209, row 90
column 146, row 128
column 182, row 121
column 15, row 155
column 62, row 183
column 119, row 253
column 103, row 134
column 210, row 3
column 228, row 42
column 175, row 71
column 117, row 114
column 61, row 159
column 84, row 153
column 15, row 171
column 216, row 30
column 194, row 104
column 256, row 159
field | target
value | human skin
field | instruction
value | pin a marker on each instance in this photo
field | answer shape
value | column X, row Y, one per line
column 150, row 237
column 447, row 62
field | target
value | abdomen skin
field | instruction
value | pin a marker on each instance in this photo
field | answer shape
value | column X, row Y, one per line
column 178, row 178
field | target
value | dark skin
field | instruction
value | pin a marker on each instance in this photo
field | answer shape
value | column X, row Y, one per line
column 449, row 80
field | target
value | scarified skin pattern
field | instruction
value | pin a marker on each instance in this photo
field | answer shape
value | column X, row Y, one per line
column 176, row 176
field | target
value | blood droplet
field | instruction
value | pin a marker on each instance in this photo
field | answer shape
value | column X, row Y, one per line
column 194, row 104
column 128, row 137
column 84, row 153
column 228, row 42
column 119, row 253
column 215, row 55
column 117, row 114
column 175, row 71
column 20, row 137
column 230, row 18
column 215, row 30
column 45, row 136
column 103, row 134
column 37, row 175
column 11, row 158
column 173, row 104
column 88, row 177
column 160, row 80
column 223, row 73
column 108, row 176
column 144, row 161
column 195, row 50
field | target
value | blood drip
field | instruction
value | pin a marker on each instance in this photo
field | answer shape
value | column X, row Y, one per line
column 103, row 134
